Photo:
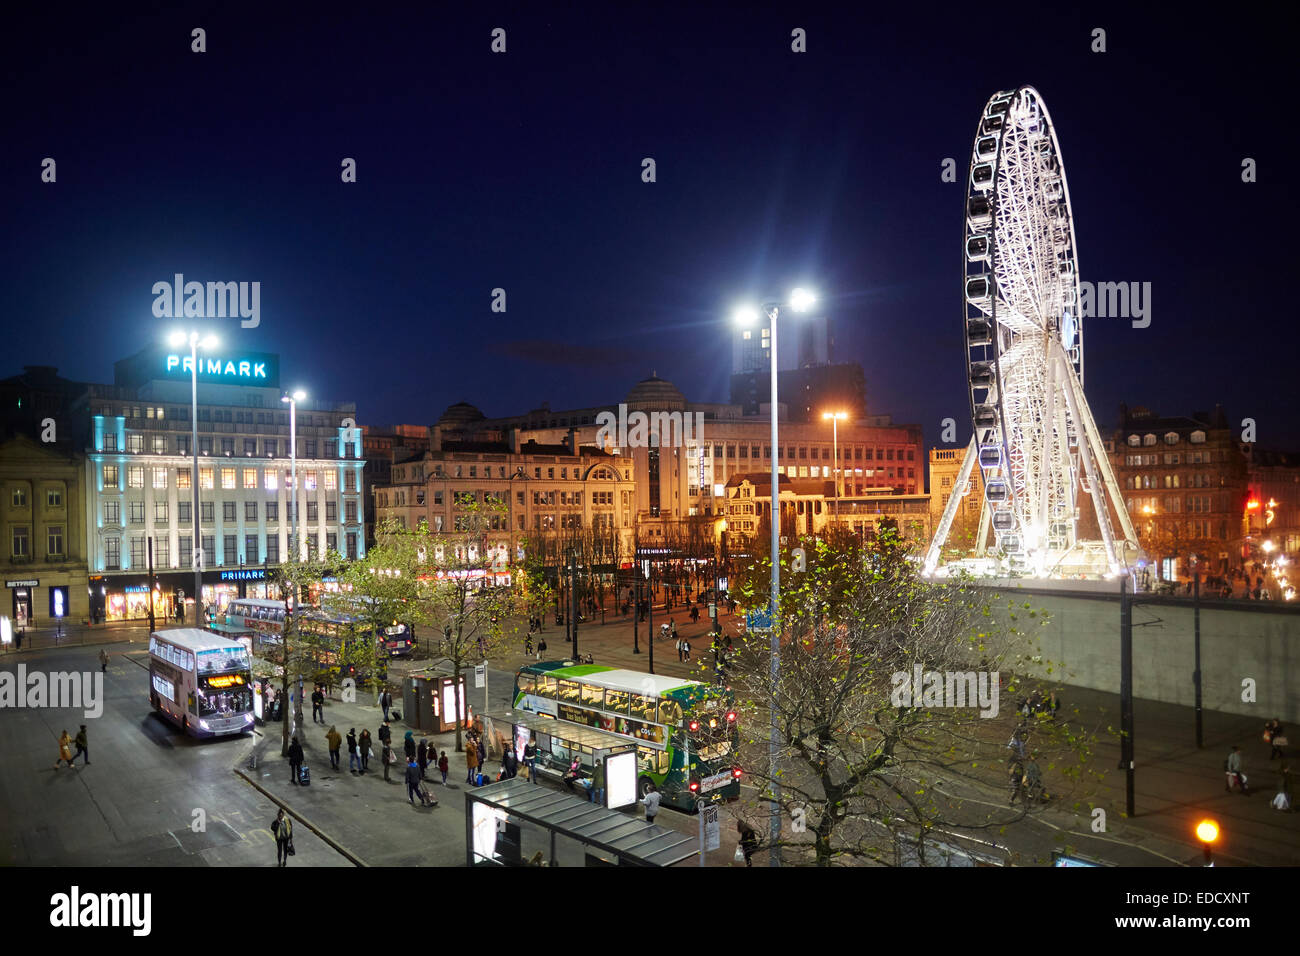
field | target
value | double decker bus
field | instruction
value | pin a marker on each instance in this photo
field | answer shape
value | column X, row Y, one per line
column 201, row 681
column 661, row 715
column 264, row 621
column 259, row 619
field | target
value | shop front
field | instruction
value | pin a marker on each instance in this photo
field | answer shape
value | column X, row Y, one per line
column 22, row 592
column 127, row 597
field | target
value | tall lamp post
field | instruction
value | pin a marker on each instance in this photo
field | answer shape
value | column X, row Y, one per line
column 800, row 301
column 177, row 339
column 292, row 400
column 835, row 419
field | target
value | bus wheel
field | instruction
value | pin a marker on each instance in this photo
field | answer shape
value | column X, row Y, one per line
column 643, row 786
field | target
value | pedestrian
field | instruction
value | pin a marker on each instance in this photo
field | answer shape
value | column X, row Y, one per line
column 317, row 705
column 65, row 751
column 1233, row 768
column 748, row 840
column 541, row 648
column 471, row 761
column 597, row 793
column 386, row 755
column 509, row 764
column 482, row 750
column 573, row 774
column 1016, row 780
column 412, row 780
column 530, row 760
column 282, row 830
column 408, row 746
column 386, row 703
column 528, row 640
column 82, row 746
column 1033, row 780
column 354, row 758
column 364, row 745
column 422, row 755
column 651, row 803
column 1017, row 747
column 295, row 760
column 442, row 767
column 103, row 661
column 386, row 733
column 1276, row 737
column 678, row 647
column 334, row 742
column 686, row 651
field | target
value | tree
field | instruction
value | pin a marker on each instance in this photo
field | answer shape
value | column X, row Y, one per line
column 864, row 770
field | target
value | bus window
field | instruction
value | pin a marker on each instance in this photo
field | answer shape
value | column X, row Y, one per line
column 642, row 707
column 616, row 700
column 670, row 712
column 593, row 696
column 527, row 684
column 546, row 687
column 568, row 691
column 656, row 761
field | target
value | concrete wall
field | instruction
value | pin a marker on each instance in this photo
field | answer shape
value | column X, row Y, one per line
column 1239, row 640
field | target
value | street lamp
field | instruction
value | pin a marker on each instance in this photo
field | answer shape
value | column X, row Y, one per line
column 835, row 419
column 177, row 339
column 292, row 400
column 1207, row 831
column 800, row 301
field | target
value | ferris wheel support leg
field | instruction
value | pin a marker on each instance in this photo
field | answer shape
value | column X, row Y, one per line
column 982, row 536
column 1090, row 450
column 933, row 553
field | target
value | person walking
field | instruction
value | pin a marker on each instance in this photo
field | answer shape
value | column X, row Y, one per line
column 386, row 703
column 1033, row 781
column 530, row 760
column 748, row 840
column 354, row 758
column 295, row 760
column 1233, row 767
column 471, row 761
column 1276, row 737
column 282, row 830
column 82, row 746
column 412, row 780
column 65, row 751
column 422, row 756
column 651, row 803
column 366, row 748
column 686, row 651
column 334, row 742
column 443, row 767
column 103, row 661
column 317, row 705
column 541, row 648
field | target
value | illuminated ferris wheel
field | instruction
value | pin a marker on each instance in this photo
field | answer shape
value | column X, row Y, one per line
column 1035, row 441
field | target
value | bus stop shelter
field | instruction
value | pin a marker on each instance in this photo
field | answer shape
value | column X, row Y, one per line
column 558, row 741
column 517, row 823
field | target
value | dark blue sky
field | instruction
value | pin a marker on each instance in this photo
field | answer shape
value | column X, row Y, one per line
column 522, row 171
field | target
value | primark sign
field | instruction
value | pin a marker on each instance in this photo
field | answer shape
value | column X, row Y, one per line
column 249, row 368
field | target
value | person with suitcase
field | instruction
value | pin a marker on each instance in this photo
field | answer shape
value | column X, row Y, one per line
column 295, row 761
column 412, row 781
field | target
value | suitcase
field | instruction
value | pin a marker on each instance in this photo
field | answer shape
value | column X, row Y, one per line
column 426, row 797
column 304, row 776
column 396, row 715
column 479, row 780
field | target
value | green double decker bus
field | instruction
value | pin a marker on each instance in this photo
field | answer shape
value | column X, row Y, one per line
column 661, row 715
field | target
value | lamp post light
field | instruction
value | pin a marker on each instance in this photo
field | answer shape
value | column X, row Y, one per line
column 292, row 400
column 835, row 419
column 800, row 301
column 177, row 339
column 1207, row 831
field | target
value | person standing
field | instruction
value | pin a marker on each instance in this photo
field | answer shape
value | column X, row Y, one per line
column 282, row 830
column 386, row 755
column 597, row 793
column 334, row 741
column 482, row 750
column 82, row 746
column 364, row 745
column 65, row 751
column 317, row 705
column 408, row 746
column 748, row 840
column 443, row 767
column 471, row 761
column 295, row 760
column 1233, row 767
column 386, row 733
column 422, row 756
column 103, row 661
column 412, row 780
column 354, row 758
column 686, row 650
column 651, row 803
column 510, row 763
column 530, row 760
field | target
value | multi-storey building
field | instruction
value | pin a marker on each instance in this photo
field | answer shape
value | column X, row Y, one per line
column 810, row 506
column 1185, row 483
column 945, row 467
column 42, row 498
column 383, row 445
column 1272, row 519
column 533, row 495
column 140, row 496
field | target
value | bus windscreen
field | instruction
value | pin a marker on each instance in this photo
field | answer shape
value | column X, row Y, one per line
column 222, row 659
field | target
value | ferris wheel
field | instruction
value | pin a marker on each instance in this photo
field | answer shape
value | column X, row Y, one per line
column 1035, row 441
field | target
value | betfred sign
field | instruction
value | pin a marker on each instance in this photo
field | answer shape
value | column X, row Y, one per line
column 715, row 782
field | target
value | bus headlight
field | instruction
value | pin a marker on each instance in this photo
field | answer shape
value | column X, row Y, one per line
column 203, row 724
column 248, row 718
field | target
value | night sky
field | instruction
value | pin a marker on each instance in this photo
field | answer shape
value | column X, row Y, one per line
column 523, row 171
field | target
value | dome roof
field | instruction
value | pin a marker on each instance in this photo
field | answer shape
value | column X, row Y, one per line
column 655, row 394
column 460, row 414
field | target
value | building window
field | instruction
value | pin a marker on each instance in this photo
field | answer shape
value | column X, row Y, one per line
column 206, row 512
column 209, row 551
column 273, row 511
column 271, row 479
column 184, row 548
column 227, row 511
column 331, row 481
column 350, row 510
column 227, row 446
column 352, row 545
column 160, row 511
column 184, row 513
column 183, row 479
column 159, row 444
column 19, row 542
column 54, row 541
column 182, row 444
column 250, row 479
column 228, row 479
column 250, row 510
column 350, row 481
column 272, row 549
column 137, row 551
column 19, row 497
column 54, row 497
column 309, row 481
column 205, row 446
column 113, row 554
column 135, row 476
column 112, row 513
column 331, row 511
column 110, row 441
column 331, row 541
column 250, row 549
column 161, row 558
column 135, row 443
column 205, row 479
column 313, row 511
